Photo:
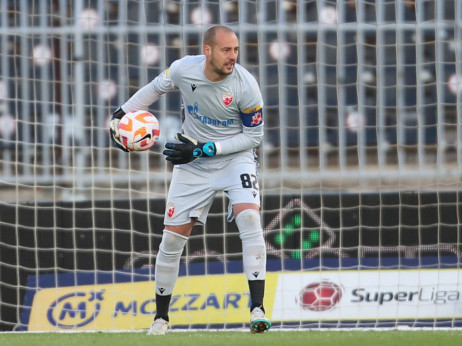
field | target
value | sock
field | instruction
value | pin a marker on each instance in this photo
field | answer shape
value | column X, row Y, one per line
column 162, row 305
column 166, row 270
column 168, row 262
column 257, row 292
column 253, row 244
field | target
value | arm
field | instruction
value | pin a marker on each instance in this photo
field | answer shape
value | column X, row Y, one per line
column 251, row 136
column 150, row 93
column 141, row 100
column 190, row 149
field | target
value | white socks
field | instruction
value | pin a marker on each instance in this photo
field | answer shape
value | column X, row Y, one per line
column 253, row 244
column 168, row 261
column 253, row 251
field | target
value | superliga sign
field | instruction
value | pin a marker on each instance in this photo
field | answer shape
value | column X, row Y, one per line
column 369, row 295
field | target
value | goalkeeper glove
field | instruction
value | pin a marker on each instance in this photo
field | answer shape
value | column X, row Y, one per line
column 114, row 129
column 188, row 150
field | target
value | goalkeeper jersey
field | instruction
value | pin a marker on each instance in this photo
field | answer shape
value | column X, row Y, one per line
column 228, row 112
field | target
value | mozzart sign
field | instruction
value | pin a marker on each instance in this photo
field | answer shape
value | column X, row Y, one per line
column 200, row 300
column 223, row 300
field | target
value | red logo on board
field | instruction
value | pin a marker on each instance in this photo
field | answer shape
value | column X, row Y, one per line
column 320, row 296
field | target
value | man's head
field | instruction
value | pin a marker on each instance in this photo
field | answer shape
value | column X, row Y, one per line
column 221, row 48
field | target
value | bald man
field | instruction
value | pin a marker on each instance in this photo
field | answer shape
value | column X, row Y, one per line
column 223, row 125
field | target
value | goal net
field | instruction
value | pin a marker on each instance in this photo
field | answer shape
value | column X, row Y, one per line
column 359, row 167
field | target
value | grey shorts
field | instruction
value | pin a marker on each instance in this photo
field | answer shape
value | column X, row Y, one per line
column 194, row 186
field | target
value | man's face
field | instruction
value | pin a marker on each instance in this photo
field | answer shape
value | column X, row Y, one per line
column 222, row 56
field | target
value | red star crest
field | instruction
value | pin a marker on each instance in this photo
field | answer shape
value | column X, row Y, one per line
column 170, row 210
column 256, row 119
column 227, row 98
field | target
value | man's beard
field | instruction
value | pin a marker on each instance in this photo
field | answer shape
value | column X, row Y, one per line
column 222, row 71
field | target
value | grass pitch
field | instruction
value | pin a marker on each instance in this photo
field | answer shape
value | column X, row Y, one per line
column 279, row 338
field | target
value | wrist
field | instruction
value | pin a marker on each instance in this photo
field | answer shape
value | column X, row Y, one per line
column 209, row 149
column 218, row 149
column 204, row 150
column 118, row 113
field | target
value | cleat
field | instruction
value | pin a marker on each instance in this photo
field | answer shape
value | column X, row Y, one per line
column 258, row 322
column 159, row 327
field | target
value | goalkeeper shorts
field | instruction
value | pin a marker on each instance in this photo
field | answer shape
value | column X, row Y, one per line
column 194, row 186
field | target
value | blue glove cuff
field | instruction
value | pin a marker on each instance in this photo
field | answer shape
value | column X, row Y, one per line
column 209, row 149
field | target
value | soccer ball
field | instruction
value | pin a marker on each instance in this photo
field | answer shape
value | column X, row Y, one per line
column 139, row 130
column 320, row 296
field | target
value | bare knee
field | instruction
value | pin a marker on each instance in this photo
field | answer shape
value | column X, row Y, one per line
column 184, row 230
column 240, row 207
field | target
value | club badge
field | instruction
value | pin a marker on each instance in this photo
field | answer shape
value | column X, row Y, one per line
column 170, row 209
column 227, row 98
column 256, row 119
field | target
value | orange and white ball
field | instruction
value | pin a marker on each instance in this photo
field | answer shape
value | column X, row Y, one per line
column 139, row 130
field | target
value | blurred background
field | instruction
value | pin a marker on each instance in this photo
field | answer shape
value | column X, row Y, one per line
column 358, row 94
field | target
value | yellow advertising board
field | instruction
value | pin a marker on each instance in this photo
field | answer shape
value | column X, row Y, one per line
column 196, row 300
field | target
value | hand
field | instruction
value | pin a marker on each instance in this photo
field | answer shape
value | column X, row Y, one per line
column 114, row 129
column 188, row 150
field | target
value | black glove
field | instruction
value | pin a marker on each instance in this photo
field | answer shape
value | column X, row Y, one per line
column 114, row 129
column 188, row 150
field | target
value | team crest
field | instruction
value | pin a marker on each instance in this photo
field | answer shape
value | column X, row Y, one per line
column 170, row 209
column 256, row 119
column 227, row 98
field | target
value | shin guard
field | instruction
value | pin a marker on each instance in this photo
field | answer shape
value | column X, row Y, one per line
column 253, row 244
column 168, row 261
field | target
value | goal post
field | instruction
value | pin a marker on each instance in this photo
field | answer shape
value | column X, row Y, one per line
column 359, row 167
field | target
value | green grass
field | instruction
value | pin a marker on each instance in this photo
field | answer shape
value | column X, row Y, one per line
column 315, row 338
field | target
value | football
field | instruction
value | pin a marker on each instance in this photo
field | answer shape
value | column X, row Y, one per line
column 139, row 131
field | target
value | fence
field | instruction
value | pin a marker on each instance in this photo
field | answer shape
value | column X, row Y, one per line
column 351, row 88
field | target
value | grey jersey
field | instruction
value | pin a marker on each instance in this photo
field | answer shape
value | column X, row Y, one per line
column 228, row 112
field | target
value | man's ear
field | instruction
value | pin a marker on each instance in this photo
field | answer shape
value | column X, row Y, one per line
column 206, row 49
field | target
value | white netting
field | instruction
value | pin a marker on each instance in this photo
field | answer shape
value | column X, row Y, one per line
column 360, row 165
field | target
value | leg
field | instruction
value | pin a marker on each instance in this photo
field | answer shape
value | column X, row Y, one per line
column 181, row 212
column 253, row 245
column 166, row 271
column 247, row 218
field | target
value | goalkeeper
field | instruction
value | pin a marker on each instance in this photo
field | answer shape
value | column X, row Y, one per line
column 223, row 124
